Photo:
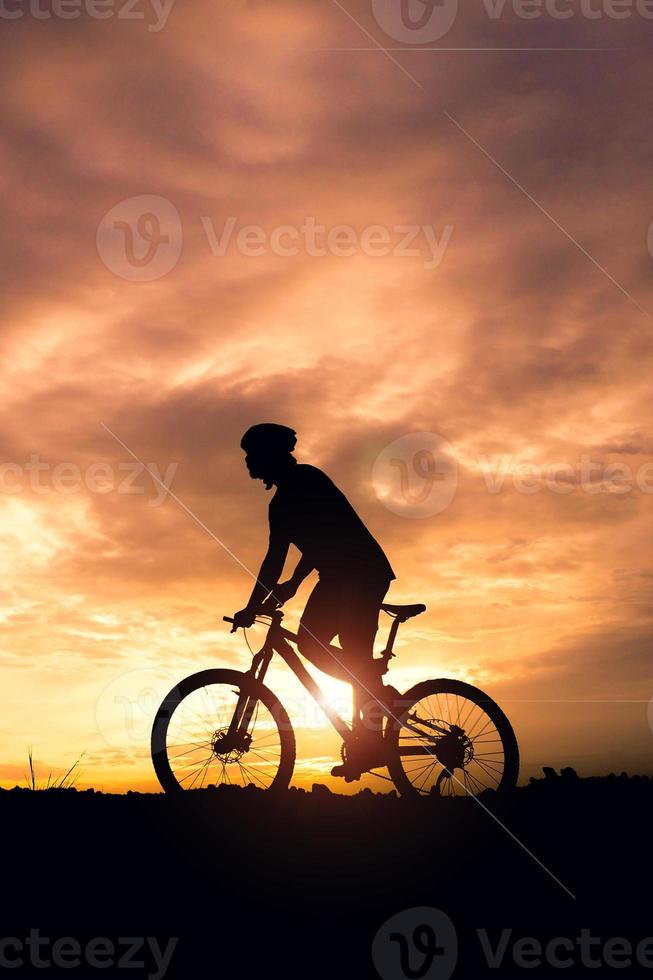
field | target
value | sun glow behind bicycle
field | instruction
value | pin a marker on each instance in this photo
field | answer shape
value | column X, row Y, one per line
column 226, row 727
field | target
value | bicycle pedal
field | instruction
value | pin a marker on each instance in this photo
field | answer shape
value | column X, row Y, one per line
column 347, row 771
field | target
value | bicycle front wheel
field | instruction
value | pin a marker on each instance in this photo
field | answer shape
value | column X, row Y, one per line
column 196, row 746
column 450, row 739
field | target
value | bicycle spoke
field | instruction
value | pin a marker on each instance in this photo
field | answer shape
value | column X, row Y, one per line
column 473, row 779
column 482, row 731
column 426, row 775
column 479, row 720
column 178, row 745
column 430, row 763
column 251, row 769
column 262, row 757
column 244, row 774
column 490, row 768
column 188, row 751
column 465, row 722
column 188, row 775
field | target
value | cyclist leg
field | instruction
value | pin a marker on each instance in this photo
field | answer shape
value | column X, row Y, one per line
column 357, row 631
column 349, row 610
column 318, row 626
column 357, row 628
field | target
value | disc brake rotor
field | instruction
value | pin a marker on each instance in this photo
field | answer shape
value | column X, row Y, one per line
column 230, row 748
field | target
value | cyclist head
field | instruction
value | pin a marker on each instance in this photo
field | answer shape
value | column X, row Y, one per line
column 268, row 451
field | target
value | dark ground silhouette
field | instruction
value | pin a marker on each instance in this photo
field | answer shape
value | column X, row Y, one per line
column 298, row 886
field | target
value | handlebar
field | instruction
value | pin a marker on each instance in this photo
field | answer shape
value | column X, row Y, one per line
column 267, row 607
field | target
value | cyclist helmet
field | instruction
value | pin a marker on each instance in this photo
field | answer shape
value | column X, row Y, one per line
column 269, row 438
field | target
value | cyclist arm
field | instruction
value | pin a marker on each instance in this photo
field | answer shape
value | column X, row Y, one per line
column 286, row 590
column 270, row 570
column 303, row 568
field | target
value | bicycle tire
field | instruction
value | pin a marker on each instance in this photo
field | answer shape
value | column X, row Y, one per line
column 429, row 688
column 244, row 684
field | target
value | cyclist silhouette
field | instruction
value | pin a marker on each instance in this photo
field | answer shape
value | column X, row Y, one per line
column 309, row 511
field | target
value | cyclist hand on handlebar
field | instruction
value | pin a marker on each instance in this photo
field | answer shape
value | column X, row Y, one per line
column 244, row 618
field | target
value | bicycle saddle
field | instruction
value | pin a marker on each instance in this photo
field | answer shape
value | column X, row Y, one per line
column 404, row 612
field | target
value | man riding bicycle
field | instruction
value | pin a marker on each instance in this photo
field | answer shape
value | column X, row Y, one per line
column 309, row 511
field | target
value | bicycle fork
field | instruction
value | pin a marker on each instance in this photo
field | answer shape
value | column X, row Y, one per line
column 246, row 704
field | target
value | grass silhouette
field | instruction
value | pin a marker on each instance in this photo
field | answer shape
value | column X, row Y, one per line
column 67, row 781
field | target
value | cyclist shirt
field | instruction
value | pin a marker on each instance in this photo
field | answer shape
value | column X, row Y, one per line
column 309, row 511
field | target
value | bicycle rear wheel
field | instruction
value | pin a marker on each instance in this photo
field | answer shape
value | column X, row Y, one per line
column 191, row 745
column 450, row 739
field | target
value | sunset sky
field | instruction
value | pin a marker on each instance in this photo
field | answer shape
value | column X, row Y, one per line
column 517, row 333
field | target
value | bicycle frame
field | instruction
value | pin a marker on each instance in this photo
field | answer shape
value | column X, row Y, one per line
column 277, row 641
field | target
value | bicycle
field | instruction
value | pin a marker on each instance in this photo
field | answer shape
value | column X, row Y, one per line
column 429, row 740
